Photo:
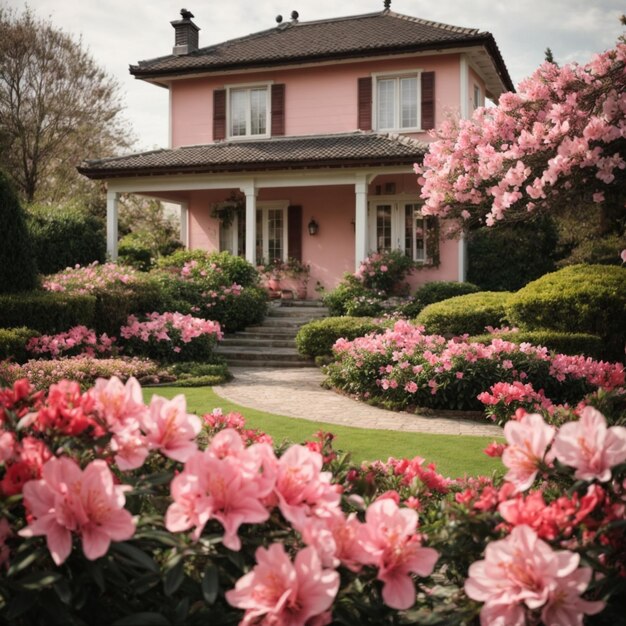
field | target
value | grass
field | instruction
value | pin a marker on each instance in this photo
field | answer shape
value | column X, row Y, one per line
column 455, row 455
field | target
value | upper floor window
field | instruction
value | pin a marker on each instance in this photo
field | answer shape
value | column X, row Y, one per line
column 249, row 109
column 398, row 102
column 478, row 97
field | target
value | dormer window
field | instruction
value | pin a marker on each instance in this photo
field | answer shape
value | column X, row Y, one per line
column 249, row 111
column 397, row 101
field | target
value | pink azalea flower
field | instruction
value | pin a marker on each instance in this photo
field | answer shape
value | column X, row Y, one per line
column 389, row 542
column 278, row 591
column 524, row 570
column 67, row 500
column 591, row 447
column 117, row 402
column 170, row 429
column 528, row 441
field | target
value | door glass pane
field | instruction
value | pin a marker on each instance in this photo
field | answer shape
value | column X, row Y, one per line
column 238, row 112
column 258, row 111
column 386, row 103
column 408, row 231
column 383, row 227
column 241, row 233
column 259, row 237
column 408, row 102
column 420, row 237
column 226, row 238
column 275, row 234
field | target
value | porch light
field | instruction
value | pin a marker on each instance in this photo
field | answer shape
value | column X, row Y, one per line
column 313, row 227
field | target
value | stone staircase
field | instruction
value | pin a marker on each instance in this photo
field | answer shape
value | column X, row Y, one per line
column 272, row 343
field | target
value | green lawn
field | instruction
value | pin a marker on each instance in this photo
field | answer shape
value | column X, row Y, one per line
column 454, row 455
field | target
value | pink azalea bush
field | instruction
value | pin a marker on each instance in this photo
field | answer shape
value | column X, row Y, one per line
column 403, row 367
column 91, row 278
column 78, row 340
column 145, row 509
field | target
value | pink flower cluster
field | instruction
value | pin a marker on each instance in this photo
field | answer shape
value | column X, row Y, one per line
column 78, row 340
column 235, row 485
column 90, row 278
column 556, row 135
column 162, row 326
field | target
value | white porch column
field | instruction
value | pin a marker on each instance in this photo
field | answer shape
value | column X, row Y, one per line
column 360, row 221
column 462, row 258
column 112, row 227
column 184, row 223
column 251, row 192
column 465, row 114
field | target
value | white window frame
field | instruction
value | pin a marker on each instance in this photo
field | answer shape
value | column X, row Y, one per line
column 264, row 207
column 477, row 98
column 268, row 111
column 398, row 234
column 416, row 73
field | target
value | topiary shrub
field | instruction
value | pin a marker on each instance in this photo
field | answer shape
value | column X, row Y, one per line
column 468, row 314
column 580, row 298
column 318, row 337
column 436, row 291
column 47, row 312
column 564, row 343
column 528, row 247
column 64, row 237
column 13, row 343
column 18, row 271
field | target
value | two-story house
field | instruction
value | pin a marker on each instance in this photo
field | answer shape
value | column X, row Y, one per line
column 318, row 124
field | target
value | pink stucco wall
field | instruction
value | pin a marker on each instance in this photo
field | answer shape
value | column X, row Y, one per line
column 318, row 99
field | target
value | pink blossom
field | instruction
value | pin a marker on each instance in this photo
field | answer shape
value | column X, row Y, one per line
column 67, row 500
column 591, row 447
column 280, row 592
column 170, row 429
column 390, row 542
column 528, row 441
column 524, row 570
column 116, row 402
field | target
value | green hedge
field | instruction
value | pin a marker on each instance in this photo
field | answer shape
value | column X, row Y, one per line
column 465, row 314
column 580, row 299
column 13, row 343
column 47, row 312
column 436, row 291
column 318, row 337
column 563, row 343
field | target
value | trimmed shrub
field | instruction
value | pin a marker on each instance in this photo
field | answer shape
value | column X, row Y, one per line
column 194, row 374
column 18, row 271
column 581, row 299
column 65, row 236
column 13, row 343
column 133, row 251
column 351, row 297
column 528, row 247
column 47, row 312
column 235, row 313
column 564, row 343
column 436, row 291
column 318, row 337
column 469, row 314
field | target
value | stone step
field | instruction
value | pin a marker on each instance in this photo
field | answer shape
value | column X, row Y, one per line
column 297, row 311
column 253, row 353
column 311, row 304
column 269, row 331
column 285, row 322
column 267, row 342
column 232, row 362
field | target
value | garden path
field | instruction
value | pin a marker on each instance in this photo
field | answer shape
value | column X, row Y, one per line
column 298, row 393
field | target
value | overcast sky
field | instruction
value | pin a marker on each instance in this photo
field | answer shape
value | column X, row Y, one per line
column 121, row 32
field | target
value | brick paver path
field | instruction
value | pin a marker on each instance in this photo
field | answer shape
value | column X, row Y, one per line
column 297, row 393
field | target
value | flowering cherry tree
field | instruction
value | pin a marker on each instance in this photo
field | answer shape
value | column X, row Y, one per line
column 558, row 140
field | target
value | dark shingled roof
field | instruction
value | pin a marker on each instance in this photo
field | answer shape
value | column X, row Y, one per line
column 339, row 38
column 345, row 150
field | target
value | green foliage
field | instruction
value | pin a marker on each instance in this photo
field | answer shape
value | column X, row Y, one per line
column 468, row 314
column 13, row 343
column 133, row 251
column 385, row 271
column 234, row 269
column 65, row 236
column 436, row 291
column 581, row 299
column 246, row 309
column 351, row 297
column 18, row 271
column 507, row 256
column 194, row 374
column 318, row 337
column 47, row 312
column 561, row 342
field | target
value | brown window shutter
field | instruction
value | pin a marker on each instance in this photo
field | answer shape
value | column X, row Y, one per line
column 294, row 233
column 428, row 100
column 278, row 110
column 364, row 121
column 219, row 114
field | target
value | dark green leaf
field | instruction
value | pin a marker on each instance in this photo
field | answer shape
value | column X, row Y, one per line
column 64, row 591
column 158, row 535
column 39, row 580
column 22, row 561
column 174, row 578
column 210, row 583
column 136, row 556
column 143, row 619
column 182, row 611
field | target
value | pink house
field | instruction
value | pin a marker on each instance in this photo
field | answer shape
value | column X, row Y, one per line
column 317, row 124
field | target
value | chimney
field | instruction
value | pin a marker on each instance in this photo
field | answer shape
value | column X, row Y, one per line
column 186, row 34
